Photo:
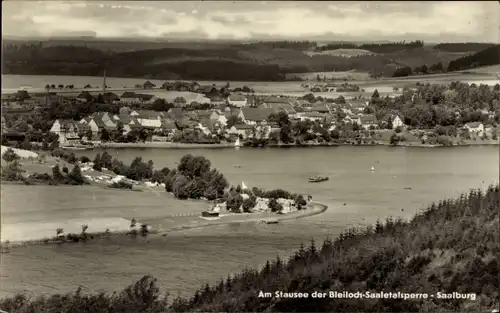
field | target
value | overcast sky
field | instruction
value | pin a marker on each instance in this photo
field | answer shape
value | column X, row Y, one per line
column 254, row 20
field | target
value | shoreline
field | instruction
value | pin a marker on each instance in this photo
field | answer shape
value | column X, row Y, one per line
column 313, row 208
column 162, row 145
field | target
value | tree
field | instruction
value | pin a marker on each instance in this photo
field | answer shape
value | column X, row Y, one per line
column 105, row 135
column 56, row 174
column 97, row 163
column 274, row 205
column 389, row 123
column 88, row 134
column 10, row 155
column 106, row 160
column 394, row 140
column 233, row 120
column 375, row 94
column 76, row 176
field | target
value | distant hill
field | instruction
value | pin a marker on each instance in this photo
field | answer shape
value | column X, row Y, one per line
column 269, row 61
column 489, row 56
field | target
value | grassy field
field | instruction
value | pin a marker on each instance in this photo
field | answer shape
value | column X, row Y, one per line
column 347, row 53
column 348, row 75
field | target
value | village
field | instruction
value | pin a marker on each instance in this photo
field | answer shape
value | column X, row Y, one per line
column 186, row 112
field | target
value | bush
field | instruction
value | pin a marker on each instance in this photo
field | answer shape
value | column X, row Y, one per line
column 10, row 155
column 121, row 185
column 75, row 177
column 84, row 159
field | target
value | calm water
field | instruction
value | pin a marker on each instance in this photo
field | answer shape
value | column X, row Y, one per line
column 184, row 260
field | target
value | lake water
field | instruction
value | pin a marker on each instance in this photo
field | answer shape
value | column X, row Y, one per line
column 183, row 260
column 12, row 83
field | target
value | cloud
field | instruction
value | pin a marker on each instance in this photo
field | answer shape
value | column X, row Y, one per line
column 474, row 21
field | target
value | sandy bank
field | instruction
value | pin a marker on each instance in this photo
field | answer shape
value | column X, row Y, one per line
column 120, row 227
column 165, row 145
column 25, row 154
column 313, row 208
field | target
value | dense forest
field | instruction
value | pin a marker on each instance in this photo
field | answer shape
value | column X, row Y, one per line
column 490, row 56
column 452, row 246
column 463, row 46
column 374, row 47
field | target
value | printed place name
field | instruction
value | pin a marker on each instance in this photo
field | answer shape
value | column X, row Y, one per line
column 366, row 295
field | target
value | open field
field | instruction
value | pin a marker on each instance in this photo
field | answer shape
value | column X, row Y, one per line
column 347, row 53
column 493, row 69
column 348, row 75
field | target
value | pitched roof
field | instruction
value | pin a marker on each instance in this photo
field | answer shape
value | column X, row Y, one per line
column 314, row 114
column 203, row 113
column 256, row 114
column 274, row 99
column 207, row 89
column 128, row 94
column 237, row 97
column 369, row 118
column 243, row 126
column 208, row 123
column 167, row 123
column 149, row 114
column 280, row 106
column 303, row 102
column 321, row 107
column 473, row 124
column 175, row 113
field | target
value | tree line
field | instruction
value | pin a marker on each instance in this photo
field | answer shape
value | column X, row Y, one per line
column 463, row 46
column 451, row 246
column 374, row 47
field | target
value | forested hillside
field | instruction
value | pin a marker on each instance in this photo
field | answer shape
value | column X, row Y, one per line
column 264, row 61
column 490, row 56
column 452, row 246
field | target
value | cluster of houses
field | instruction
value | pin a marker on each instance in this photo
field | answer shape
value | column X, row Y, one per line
column 252, row 120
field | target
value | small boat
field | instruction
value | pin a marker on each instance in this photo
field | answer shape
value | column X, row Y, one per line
column 237, row 144
column 318, row 179
column 209, row 214
column 372, row 169
column 214, row 212
column 408, row 188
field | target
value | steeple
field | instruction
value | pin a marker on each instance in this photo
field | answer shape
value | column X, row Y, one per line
column 104, row 82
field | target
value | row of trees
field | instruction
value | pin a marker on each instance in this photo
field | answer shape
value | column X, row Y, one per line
column 452, row 246
column 423, row 69
column 374, row 47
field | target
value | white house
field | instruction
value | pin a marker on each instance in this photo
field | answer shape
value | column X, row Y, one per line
column 243, row 130
column 66, row 130
column 351, row 118
column 475, row 128
column 148, row 118
column 397, row 122
column 311, row 116
column 237, row 100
